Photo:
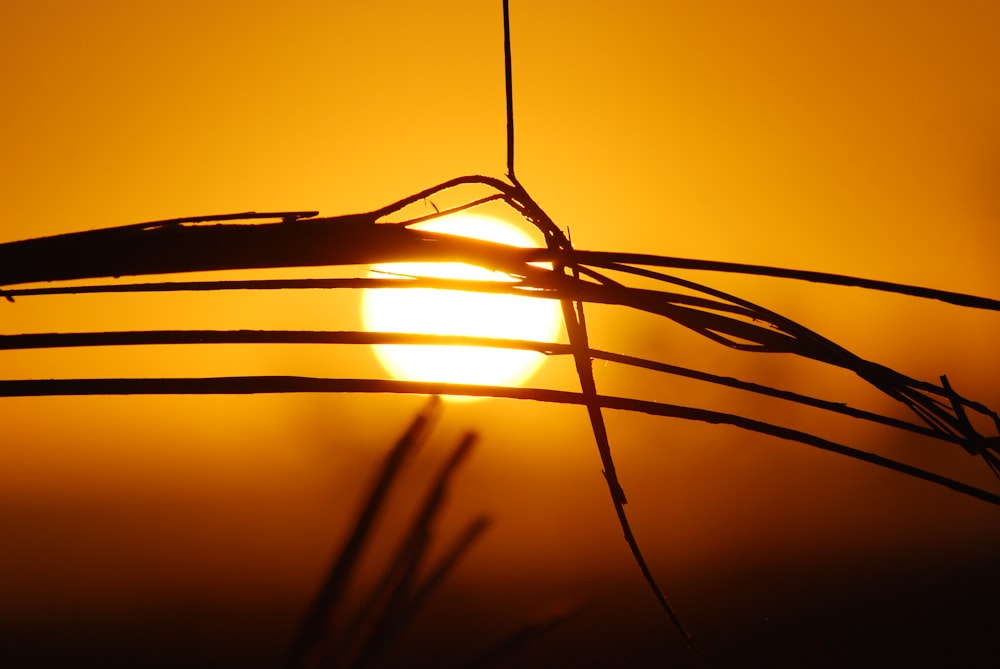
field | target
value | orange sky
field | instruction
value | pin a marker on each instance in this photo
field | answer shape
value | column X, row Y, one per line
column 852, row 137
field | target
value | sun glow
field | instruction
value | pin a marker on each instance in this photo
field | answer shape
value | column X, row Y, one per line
column 450, row 312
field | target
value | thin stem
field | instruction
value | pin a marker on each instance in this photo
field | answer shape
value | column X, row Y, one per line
column 508, row 89
column 602, row 258
column 208, row 337
column 331, row 592
column 387, row 607
column 250, row 385
column 451, row 210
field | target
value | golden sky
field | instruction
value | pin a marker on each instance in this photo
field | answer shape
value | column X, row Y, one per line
column 852, row 137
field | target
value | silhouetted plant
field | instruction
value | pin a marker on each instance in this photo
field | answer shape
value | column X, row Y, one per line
column 574, row 277
column 332, row 637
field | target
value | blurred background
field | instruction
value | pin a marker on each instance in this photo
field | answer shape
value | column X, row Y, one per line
column 851, row 137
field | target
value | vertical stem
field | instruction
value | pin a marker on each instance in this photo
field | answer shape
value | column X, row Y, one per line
column 509, row 88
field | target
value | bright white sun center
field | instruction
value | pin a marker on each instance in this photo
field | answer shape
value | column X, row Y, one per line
column 450, row 312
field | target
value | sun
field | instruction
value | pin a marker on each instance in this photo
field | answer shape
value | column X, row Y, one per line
column 451, row 312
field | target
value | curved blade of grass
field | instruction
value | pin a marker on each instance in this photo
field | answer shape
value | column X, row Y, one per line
column 409, row 601
column 384, row 610
column 330, row 594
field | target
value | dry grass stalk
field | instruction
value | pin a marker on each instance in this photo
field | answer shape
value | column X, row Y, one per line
column 303, row 239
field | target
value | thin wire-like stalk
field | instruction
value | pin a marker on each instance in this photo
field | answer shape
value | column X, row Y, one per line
column 331, row 592
column 576, row 328
column 386, row 607
column 508, row 90
column 250, row 385
column 407, row 600
column 445, row 565
column 439, row 213
column 41, row 341
column 605, row 259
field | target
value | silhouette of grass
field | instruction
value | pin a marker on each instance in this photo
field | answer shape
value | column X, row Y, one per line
column 575, row 278
column 329, row 636
column 331, row 592
column 731, row 321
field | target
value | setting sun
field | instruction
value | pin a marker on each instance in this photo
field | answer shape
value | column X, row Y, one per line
column 431, row 311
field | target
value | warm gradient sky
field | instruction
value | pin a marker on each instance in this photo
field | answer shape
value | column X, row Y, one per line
column 853, row 137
